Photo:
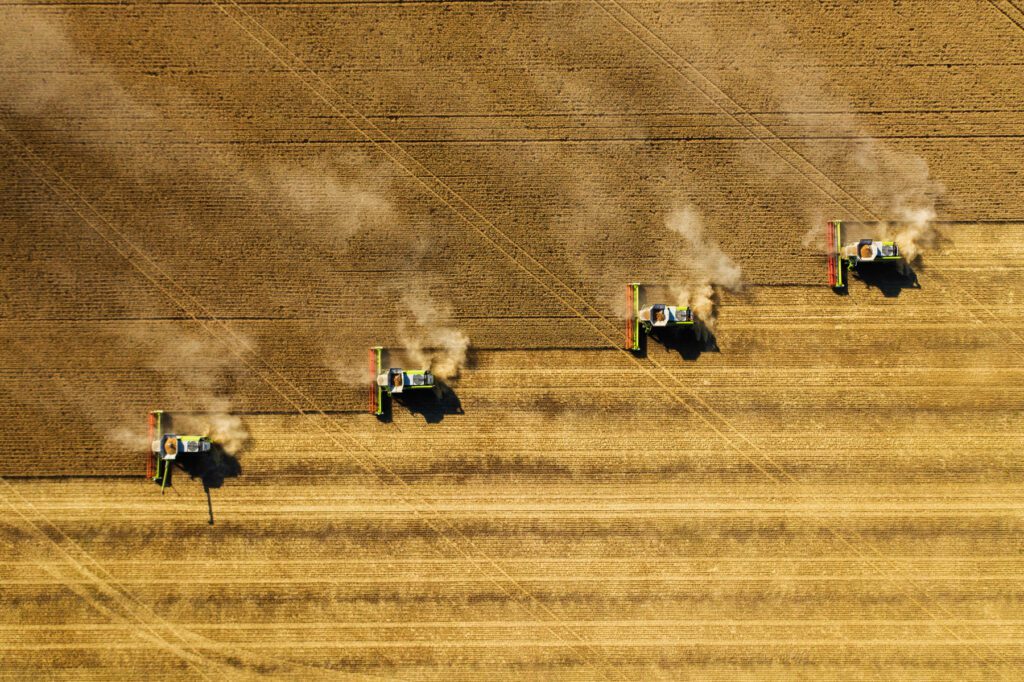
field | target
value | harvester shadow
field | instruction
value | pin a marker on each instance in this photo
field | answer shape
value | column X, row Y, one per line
column 211, row 468
column 891, row 281
column 841, row 291
column 689, row 342
column 386, row 411
column 433, row 405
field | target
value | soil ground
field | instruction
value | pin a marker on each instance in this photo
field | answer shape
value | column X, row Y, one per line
column 227, row 203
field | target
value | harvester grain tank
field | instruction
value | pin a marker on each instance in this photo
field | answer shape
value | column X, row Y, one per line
column 647, row 318
column 392, row 381
column 844, row 258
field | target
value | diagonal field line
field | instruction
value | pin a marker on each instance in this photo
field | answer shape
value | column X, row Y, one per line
column 193, row 658
column 751, row 131
column 1019, row 23
column 188, row 652
column 125, row 254
column 560, row 291
column 131, row 604
column 459, row 198
column 682, row 73
column 527, row 254
column 710, row 96
column 841, row 190
column 710, row 92
column 373, row 140
column 714, row 93
column 94, row 571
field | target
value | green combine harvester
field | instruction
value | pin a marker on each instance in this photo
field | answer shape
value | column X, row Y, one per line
column 393, row 380
column 843, row 258
column 165, row 448
column 651, row 317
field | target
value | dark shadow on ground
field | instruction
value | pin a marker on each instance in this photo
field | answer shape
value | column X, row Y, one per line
column 689, row 342
column 433, row 404
column 212, row 468
column 386, row 408
column 891, row 279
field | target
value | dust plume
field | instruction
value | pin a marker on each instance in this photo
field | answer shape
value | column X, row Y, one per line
column 226, row 429
column 902, row 186
column 896, row 185
column 350, row 373
column 74, row 94
column 867, row 176
column 131, row 437
column 207, row 371
column 311, row 206
column 711, row 269
column 33, row 42
column 197, row 376
column 432, row 344
column 336, row 206
column 217, row 423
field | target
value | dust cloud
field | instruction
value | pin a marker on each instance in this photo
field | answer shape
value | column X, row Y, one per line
column 712, row 271
column 32, row 42
column 902, row 186
column 130, row 437
column 898, row 186
column 350, row 373
column 197, row 372
column 425, row 340
column 337, row 203
column 206, row 371
column 226, row 429
column 430, row 342
column 313, row 204
column 332, row 195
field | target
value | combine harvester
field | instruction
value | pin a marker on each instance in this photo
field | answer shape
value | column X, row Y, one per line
column 393, row 380
column 651, row 317
column 847, row 257
column 165, row 448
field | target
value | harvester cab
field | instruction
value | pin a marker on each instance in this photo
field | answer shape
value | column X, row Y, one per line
column 164, row 449
column 845, row 257
column 649, row 317
column 393, row 380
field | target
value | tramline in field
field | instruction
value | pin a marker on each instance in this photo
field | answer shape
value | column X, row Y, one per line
column 651, row 317
column 844, row 258
column 393, row 380
column 166, row 447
